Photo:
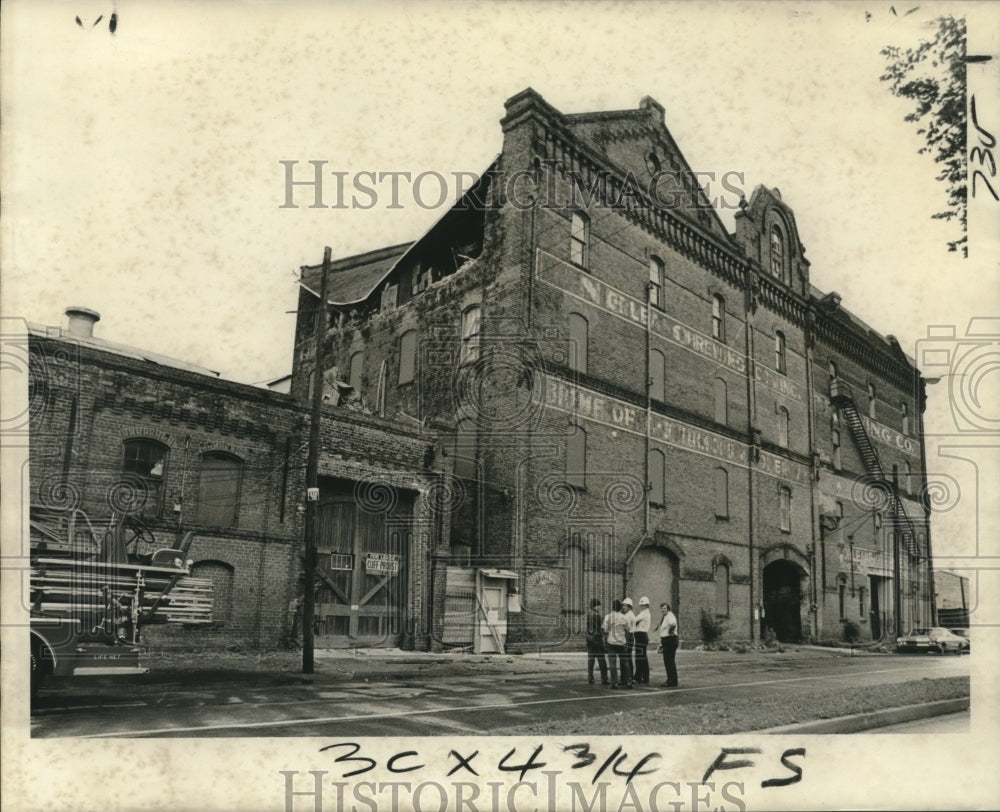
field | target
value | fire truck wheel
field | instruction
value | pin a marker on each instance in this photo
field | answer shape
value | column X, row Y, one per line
column 37, row 667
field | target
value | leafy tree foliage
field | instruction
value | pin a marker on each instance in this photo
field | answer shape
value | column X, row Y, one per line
column 933, row 76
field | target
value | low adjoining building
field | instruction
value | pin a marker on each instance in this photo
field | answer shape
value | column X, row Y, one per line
column 116, row 431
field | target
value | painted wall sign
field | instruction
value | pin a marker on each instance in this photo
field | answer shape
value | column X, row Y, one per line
column 866, row 562
column 574, row 282
column 584, row 403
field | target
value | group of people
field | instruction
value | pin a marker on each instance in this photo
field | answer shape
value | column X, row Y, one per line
column 624, row 636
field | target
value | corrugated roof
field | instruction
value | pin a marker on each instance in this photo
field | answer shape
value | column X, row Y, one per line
column 353, row 279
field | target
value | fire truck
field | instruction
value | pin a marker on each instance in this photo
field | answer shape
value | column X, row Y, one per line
column 94, row 588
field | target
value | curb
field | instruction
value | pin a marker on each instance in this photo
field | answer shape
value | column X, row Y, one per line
column 860, row 722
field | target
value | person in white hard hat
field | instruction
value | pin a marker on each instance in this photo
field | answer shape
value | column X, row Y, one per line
column 629, row 639
column 642, row 621
column 669, row 641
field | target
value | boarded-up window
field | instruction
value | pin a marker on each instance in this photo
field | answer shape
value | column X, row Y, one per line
column 407, row 356
column 783, row 427
column 721, row 395
column 357, row 370
column 465, row 449
column 471, row 326
column 722, row 589
column 576, row 457
column 219, row 489
column 657, row 483
column 721, row 493
column 578, row 329
column 657, row 375
column 785, row 509
column 221, row 575
column 145, row 463
column 574, row 577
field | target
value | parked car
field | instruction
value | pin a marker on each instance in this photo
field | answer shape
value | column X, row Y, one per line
column 964, row 634
column 939, row 640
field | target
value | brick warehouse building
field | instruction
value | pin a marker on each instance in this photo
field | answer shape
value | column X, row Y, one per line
column 641, row 402
column 119, row 430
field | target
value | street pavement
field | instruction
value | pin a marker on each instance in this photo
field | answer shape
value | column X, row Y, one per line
column 392, row 693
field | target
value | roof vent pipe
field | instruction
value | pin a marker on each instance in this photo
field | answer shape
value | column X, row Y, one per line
column 82, row 321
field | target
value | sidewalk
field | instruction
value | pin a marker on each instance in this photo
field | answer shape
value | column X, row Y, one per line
column 367, row 664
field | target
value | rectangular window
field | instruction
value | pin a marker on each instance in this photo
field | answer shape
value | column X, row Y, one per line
column 861, row 601
column 407, row 356
column 146, row 461
column 578, row 239
column 836, row 449
column 871, row 401
column 471, row 325
column 842, row 595
column 906, row 418
column 783, row 427
column 655, row 282
column 780, row 362
column 718, row 318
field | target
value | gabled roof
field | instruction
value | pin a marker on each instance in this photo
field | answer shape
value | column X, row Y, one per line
column 627, row 137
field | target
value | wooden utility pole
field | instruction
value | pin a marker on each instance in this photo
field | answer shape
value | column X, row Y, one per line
column 312, row 475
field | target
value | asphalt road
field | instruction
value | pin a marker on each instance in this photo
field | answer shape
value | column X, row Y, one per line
column 284, row 704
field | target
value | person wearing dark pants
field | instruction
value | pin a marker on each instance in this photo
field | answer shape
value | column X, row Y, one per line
column 595, row 644
column 642, row 620
column 668, row 644
column 629, row 637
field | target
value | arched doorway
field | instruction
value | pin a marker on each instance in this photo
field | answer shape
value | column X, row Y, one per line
column 783, row 600
column 655, row 574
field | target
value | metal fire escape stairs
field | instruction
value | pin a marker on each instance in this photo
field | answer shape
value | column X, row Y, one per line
column 842, row 398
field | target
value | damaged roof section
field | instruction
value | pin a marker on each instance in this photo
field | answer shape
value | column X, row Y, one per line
column 353, row 279
column 451, row 242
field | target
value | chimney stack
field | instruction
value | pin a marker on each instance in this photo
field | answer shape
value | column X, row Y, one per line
column 82, row 321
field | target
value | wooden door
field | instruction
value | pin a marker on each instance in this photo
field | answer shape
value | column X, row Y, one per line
column 361, row 571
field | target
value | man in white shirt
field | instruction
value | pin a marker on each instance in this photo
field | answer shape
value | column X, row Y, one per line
column 668, row 644
column 615, row 626
column 642, row 621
